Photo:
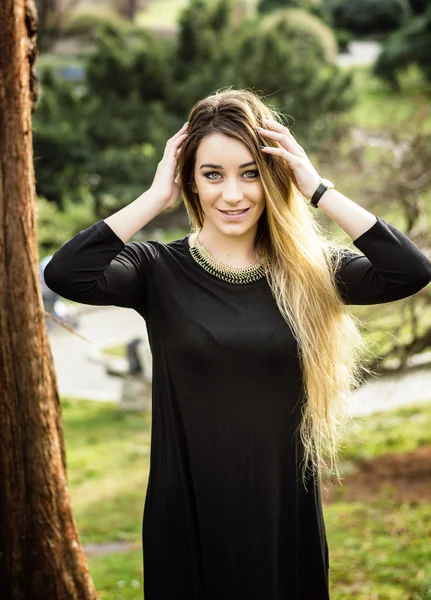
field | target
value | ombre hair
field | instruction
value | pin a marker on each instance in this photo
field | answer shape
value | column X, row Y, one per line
column 301, row 264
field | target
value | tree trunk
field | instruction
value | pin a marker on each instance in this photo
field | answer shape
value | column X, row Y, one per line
column 132, row 6
column 40, row 553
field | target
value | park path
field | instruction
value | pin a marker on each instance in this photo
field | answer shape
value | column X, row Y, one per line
column 79, row 375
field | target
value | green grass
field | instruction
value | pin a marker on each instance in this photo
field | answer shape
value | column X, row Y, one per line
column 108, row 461
column 379, row 107
column 118, row 576
column 377, row 550
column 402, row 430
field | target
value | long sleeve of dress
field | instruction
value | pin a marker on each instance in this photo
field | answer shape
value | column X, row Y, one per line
column 391, row 267
column 96, row 267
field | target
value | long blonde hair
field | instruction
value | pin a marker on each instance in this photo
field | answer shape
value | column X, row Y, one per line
column 301, row 264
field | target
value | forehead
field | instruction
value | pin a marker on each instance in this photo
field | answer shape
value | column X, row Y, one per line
column 223, row 150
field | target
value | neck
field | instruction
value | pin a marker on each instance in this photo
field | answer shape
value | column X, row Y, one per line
column 233, row 250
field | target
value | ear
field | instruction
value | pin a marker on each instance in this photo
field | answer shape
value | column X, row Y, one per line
column 194, row 188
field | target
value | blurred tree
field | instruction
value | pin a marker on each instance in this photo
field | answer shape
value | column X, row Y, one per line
column 301, row 81
column 203, row 27
column 128, row 8
column 52, row 14
column 128, row 84
column 419, row 6
column 61, row 142
column 410, row 45
column 266, row 6
column 112, row 128
column 40, row 553
column 397, row 178
column 370, row 17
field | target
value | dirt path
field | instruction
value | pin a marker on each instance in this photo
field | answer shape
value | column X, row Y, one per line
column 404, row 477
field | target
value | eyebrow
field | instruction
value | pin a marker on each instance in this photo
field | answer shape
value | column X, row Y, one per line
column 210, row 166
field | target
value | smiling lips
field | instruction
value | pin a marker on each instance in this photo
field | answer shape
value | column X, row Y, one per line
column 234, row 215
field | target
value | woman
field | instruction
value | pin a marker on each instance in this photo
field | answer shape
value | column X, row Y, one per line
column 254, row 351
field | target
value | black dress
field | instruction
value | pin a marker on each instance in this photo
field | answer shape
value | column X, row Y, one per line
column 226, row 514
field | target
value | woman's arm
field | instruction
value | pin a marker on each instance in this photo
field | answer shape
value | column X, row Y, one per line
column 351, row 217
column 97, row 266
column 391, row 267
column 164, row 193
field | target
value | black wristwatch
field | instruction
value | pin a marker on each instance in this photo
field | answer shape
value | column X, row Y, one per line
column 324, row 185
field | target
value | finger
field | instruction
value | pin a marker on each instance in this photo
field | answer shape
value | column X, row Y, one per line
column 172, row 145
column 286, row 142
column 180, row 131
column 276, row 126
column 283, row 153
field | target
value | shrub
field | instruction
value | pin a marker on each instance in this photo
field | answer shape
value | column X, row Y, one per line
column 308, row 33
column 371, row 16
column 410, row 45
column 266, row 6
column 55, row 226
column 87, row 24
column 419, row 6
column 343, row 38
column 299, row 82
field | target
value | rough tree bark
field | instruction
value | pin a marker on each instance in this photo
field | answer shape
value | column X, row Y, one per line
column 40, row 553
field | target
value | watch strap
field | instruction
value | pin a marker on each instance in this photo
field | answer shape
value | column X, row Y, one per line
column 319, row 193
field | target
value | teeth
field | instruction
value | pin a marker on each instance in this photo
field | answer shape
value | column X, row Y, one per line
column 234, row 212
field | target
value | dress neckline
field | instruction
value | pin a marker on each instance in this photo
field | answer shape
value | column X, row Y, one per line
column 230, row 275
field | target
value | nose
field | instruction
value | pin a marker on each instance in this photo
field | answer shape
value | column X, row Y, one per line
column 232, row 192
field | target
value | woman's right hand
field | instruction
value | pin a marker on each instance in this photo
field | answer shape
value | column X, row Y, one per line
column 166, row 187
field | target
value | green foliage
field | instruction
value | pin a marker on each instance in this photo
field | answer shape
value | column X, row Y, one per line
column 410, row 45
column 60, row 147
column 202, row 51
column 403, row 430
column 343, row 38
column 266, row 6
column 56, row 226
column 379, row 550
column 299, row 82
column 313, row 39
column 87, row 24
column 418, row 6
column 370, row 17
column 107, row 133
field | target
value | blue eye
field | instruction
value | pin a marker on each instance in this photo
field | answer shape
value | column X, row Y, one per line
column 254, row 173
column 251, row 174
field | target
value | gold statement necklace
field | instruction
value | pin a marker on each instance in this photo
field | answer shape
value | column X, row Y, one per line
column 212, row 265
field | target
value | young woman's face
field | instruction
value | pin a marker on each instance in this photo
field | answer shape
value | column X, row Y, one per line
column 226, row 179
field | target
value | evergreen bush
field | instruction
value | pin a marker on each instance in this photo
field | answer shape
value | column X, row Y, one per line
column 369, row 17
column 410, row 45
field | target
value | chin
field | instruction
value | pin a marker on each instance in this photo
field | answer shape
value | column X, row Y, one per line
column 235, row 229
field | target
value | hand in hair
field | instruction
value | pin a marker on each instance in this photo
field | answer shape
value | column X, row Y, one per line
column 306, row 177
column 166, row 187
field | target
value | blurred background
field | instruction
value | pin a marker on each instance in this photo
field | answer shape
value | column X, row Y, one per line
column 353, row 79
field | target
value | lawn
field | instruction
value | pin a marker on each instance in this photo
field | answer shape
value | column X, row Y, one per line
column 379, row 549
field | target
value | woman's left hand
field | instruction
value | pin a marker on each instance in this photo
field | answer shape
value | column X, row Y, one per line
column 306, row 177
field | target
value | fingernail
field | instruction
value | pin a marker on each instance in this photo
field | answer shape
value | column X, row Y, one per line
column 186, row 123
column 261, row 147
